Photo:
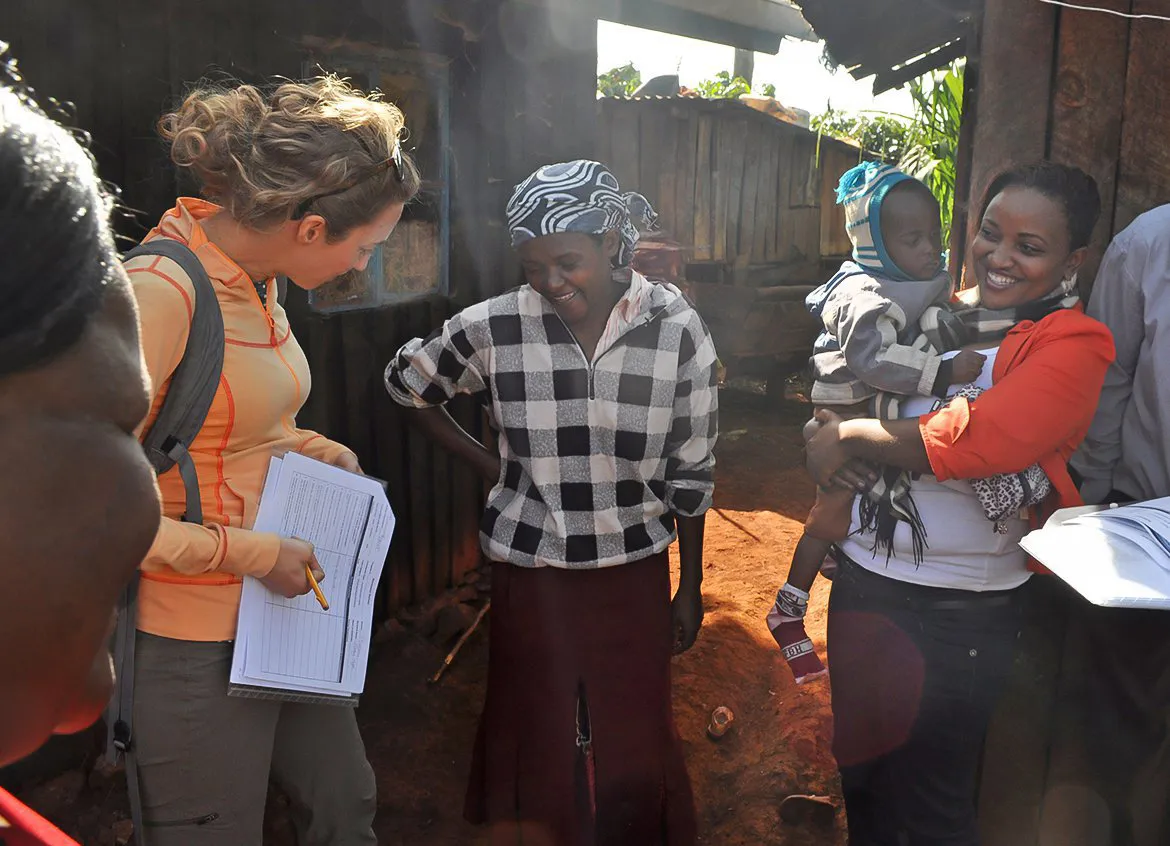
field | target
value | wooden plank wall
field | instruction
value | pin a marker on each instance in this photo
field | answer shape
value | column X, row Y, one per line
column 1143, row 173
column 835, row 160
column 121, row 64
column 1088, row 105
column 739, row 187
column 1092, row 90
column 1013, row 98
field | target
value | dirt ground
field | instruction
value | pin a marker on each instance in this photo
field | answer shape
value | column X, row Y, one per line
column 419, row 736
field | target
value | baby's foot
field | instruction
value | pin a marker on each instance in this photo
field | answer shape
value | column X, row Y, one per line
column 786, row 622
column 798, row 651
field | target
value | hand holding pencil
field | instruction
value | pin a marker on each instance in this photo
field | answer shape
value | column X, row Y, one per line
column 314, row 579
column 296, row 571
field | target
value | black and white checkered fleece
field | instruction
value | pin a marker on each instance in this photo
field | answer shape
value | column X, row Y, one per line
column 596, row 459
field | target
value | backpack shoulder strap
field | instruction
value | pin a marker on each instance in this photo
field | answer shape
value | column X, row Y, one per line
column 192, row 390
column 194, row 382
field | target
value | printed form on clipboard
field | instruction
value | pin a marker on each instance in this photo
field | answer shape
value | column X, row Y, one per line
column 1118, row 557
column 291, row 648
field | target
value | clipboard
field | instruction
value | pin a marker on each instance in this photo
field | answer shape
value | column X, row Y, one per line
column 291, row 649
column 1108, row 567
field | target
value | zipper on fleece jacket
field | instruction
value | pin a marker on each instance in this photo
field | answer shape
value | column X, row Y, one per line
column 266, row 307
column 617, row 342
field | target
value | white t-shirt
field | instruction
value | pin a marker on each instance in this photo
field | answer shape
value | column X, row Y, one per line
column 963, row 549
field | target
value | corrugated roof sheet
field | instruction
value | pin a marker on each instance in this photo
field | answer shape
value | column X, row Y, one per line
column 757, row 25
column 879, row 36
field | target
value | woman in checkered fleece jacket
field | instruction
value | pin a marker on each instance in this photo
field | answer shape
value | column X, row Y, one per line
column 602, row 386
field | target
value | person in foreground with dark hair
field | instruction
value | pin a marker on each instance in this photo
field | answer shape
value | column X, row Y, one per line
column 78, row 502
column 919, row 650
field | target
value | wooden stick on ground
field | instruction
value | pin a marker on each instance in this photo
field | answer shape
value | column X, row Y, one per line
column 459, row 643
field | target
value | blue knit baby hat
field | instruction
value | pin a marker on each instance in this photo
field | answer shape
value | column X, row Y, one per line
column 861, row 191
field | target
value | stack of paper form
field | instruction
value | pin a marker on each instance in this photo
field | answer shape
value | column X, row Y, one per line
column 1112, row 556
column 292, row 648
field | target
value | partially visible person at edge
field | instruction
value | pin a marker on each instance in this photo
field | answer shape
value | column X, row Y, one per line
column 918, row 655
column 306, row 180
column 602, row 386
column 1126, row 457
column 78, row 503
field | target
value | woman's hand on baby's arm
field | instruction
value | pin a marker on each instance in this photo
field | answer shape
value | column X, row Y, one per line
column 856, row 476
column 826, row 460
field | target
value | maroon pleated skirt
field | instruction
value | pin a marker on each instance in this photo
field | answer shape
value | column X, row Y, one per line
column 575, row 654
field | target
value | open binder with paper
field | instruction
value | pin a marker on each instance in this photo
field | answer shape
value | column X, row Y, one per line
column 293, row 648
column 1118, row 557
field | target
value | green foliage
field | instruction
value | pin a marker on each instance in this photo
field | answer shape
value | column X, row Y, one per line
column 619, row 82
column 723, row 87
column 727, row 87
column 933, row 143
column 882, row 136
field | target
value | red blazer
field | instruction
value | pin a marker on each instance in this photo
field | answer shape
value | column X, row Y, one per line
column 1046, row 382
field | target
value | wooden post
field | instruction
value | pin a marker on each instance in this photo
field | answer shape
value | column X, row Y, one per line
column 1143, row 173
column 1087, row 108
column 745, row 65
column 1016, row 55
column 963, row 209
column 705, row 188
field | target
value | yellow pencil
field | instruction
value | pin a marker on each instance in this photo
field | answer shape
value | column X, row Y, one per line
column 316, row 588
column 313, row 579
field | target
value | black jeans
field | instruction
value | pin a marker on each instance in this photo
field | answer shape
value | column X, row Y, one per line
column 915, row 673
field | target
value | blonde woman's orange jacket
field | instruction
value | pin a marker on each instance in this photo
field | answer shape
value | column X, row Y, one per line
column 191, row 578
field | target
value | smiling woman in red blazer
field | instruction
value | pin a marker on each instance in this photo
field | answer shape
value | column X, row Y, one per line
column 920, row 646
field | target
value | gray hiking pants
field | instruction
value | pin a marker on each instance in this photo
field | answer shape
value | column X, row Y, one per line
column 205, row 758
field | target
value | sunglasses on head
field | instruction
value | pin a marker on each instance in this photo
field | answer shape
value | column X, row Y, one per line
column 394, row 162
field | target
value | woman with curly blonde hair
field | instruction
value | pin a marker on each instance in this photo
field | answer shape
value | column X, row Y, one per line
column 305, row 180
